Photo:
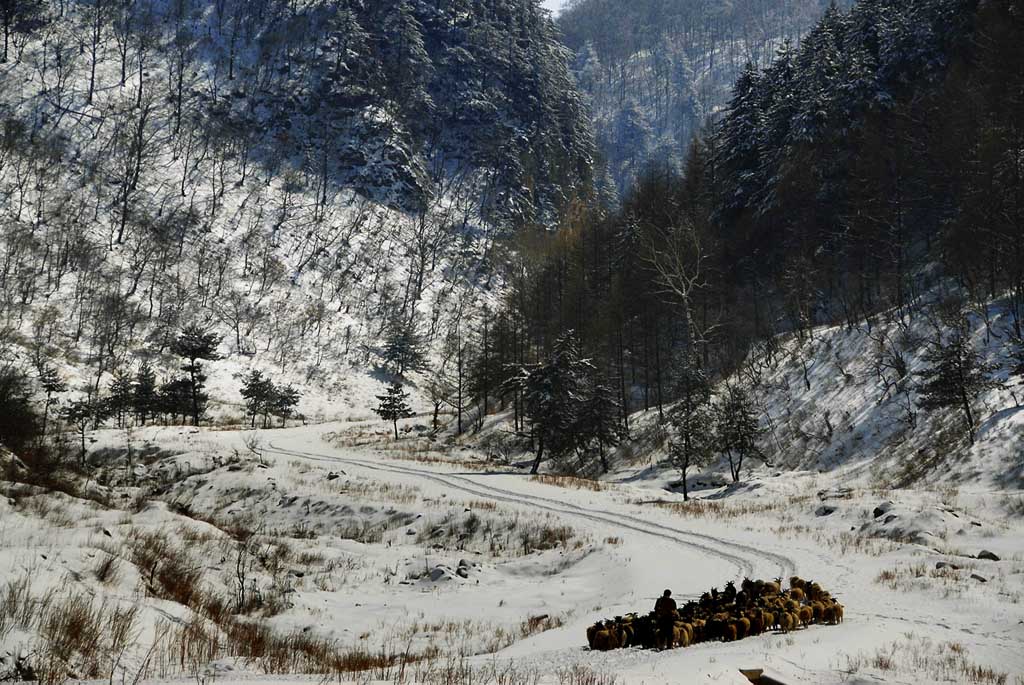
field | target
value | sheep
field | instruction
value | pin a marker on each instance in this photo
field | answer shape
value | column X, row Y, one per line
column 742, row 627
column 806, row 615
column 788, row 621
column 731, row 631
column 819, row 611
column 592, row 632
column 797, row 594
column 797, row 583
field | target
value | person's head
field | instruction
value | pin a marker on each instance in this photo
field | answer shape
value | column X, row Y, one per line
column 668, row 593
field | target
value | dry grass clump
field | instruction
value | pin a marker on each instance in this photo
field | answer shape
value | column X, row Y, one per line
column 497, row 536
column 722, row 510
column 77, row 634
column 925, row 661
column 570, row 482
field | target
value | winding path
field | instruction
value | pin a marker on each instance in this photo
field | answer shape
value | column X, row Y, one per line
column 741, row 556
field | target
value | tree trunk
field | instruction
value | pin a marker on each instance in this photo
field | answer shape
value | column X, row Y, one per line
column 540, row 455
column 396, row 428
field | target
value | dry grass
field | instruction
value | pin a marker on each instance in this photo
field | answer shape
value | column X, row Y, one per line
column 498, row 536
column 570, row 482
column 77, row 634
column 844, row 542
column 925, row 661
column 722, row 510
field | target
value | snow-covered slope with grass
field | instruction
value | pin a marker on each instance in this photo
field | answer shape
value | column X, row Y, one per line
column 346, row 550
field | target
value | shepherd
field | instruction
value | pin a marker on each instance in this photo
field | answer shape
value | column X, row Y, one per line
column 665, row 614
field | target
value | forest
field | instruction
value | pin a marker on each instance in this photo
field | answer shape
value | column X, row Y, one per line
column 872, row 173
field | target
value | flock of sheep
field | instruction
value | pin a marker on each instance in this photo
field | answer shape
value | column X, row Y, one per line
column 725, row 616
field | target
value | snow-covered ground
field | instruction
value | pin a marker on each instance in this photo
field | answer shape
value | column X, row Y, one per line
column 420, row 548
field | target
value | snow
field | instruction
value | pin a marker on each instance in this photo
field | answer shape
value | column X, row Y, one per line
column 620, row 555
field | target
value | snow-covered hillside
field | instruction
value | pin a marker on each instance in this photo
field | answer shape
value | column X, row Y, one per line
column 273, row 172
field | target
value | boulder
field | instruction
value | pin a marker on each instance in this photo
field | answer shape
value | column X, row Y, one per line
column 824, row 510
column 988, row 556
column 439, row 573
column 883, row 508
column 979, row 578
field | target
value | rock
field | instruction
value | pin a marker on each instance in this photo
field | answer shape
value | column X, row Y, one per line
column 979, row 578
column 975, row 523
column 333, row 476
column 890, row 518
column 946, row 564
column 410, row 532
column 463, row 562
column 824, row 510
column 462, row 572
column 440, row 573
column 883, row 508
column 988, row 556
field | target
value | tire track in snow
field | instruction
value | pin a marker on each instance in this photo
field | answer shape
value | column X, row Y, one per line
column 739, row 555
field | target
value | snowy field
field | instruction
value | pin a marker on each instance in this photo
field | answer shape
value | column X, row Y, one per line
column 339, row 535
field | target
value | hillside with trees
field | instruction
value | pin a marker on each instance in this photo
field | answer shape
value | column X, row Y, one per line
column 322, row 186
column 655, row 72
column 867, row 184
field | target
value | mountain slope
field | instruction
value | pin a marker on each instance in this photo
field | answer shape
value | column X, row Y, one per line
column 305, row 178
column 655, row 72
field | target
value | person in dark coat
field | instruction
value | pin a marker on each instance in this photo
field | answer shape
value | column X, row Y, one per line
column 665, row 614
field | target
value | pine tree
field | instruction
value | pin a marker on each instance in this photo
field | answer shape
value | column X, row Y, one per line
column 394, row 406
column 284, row 401
column 553, row 396
column 52, row 384
column 19, row 424
column 174, row 399
column 737, row 428
column 691, row 418
column 403, row 348
column 144, row 393
column 599, row 425
column 956, row 377
column 194, row 344
column 258, row 392
column 119, row 399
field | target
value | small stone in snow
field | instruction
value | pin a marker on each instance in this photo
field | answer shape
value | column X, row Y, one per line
column 890, row 518
column 989, row 556
column 979, row 578
column 946, row 564
column 824, row 510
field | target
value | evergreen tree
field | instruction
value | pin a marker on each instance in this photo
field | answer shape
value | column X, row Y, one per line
column 144, row 393
column 956, row 377
column 394, row 406
column 403, row 348
column 284, row 401
column 737, row 428
column 600, row 422
column 553, row 396
column 691, row 418
column 196, row 344
column 19, row 424
column 52, row 383
column 174, row 399
column 258, row 392
column 119, row 399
